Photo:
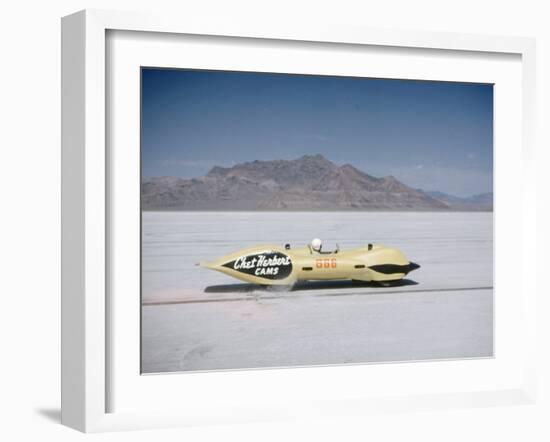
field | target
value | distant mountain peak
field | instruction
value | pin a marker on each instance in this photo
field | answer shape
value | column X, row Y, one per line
column 481, row 201
column 217, row 170
column 316, row 156
column 348, row 166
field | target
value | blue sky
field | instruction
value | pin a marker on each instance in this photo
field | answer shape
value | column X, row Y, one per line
column 430, row 135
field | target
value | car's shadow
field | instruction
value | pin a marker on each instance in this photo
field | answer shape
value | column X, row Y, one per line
column 306, row 285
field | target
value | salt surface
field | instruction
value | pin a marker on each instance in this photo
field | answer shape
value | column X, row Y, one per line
column 447, row 314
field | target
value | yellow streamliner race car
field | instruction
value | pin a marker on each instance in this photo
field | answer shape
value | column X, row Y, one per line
column 273, row 265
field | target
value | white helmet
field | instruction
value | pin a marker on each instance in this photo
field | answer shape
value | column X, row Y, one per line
column 316, row 244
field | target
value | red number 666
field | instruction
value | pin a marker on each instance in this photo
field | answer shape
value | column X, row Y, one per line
column 326, row 263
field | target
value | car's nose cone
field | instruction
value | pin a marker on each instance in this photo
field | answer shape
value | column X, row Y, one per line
column 389, row 269
column 413, row 266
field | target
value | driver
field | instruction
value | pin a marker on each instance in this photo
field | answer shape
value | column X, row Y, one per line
column 316, row 245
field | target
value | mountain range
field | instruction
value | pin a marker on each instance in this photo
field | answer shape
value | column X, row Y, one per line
column 481, row 201
column 308, row 183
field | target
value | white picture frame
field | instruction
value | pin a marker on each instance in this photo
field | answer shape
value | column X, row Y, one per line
column 86, row 316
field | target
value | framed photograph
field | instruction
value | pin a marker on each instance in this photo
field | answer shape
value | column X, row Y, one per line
column 264, row 223
column 292, row 189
